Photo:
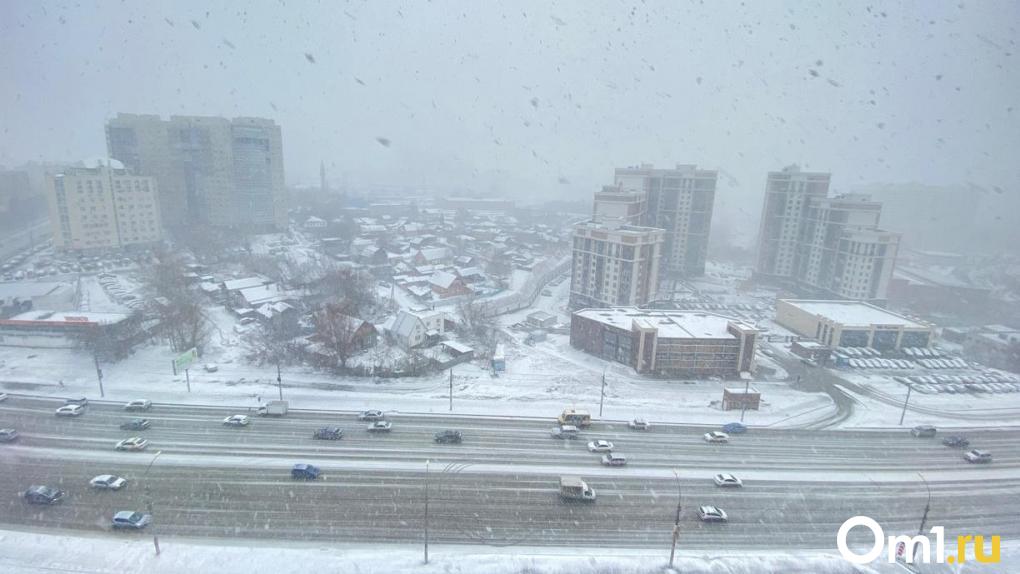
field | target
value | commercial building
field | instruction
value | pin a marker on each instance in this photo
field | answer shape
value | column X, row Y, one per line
column 852, row 324
column 211, row 170
column 666, row 343
column 824, row 246
column 680, row 202
column 614, row 266
column 111, row 335
column 103, row 207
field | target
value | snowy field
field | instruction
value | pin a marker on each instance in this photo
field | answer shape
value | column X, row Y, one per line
column 28, row 552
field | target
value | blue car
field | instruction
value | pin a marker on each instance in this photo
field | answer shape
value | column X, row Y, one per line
column 734, row 428
column 305, row 471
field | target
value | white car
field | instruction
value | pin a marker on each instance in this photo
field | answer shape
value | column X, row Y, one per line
column 727, row 480
column 108, row 482
column 372, row 415
column 138, row 405
column 70, row 411
column 712, row 514
column 133, row 443
column 600, row 446
column 3, row 397
column 380, row 426
column 639, row 424
column 237, row 421
column 716, row 436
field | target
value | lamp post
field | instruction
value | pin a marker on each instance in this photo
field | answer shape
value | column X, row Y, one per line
column 427, row 511
column 903, row 413
column 148, row 499
column 676, row 522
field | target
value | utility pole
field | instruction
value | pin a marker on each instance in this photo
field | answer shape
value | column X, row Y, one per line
column 602, row 399
column 676, row 523
column 905, row 401
column 451, row 389
column 426, row 511
column 148, row 500
column 747, row 387
column 99, row 373
column 279, row 380
column 187, row 379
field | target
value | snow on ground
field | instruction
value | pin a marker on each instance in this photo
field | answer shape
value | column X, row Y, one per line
column 30, row 552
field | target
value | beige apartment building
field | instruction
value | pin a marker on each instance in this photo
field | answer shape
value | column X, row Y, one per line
column 103, row 207
column 614, row 266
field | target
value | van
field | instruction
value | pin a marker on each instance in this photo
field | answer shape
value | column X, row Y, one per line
column 580, row 419
column 574, row 488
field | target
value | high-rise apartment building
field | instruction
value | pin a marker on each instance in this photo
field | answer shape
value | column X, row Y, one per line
column 103, row 207
column 827, row 246
column 614, row 266
column 216, row 171
column 614, row 206
column 680, row 202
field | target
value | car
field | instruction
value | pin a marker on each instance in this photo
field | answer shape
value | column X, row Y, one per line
column 328, row 433
column 8, row 435
column 138, row 405
column 734, row 428
column 79, row 401
column 923, row 431
column 956, row 441
column 372, row 415
column 237, row 421
column 305, row 472
column 108, row 482
column 41, row 494
column 448, row 436
column 565, row 432
column 600, row 446
column 716, row 436
column 70, row 411
column 211, row 367
column 978, row 456
column 614, row 459
column 639, row 424
column 135, row 424
column 133, row 443
column 3, row 397
column 131, row 519
column 727, row 480
column 380, row 426
column 712, row 514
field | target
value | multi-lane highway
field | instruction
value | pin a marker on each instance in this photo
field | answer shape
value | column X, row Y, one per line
column 500, row 485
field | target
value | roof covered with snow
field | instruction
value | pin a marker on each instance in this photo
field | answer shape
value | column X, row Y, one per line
column 64, row 318
column 852, row 313
column 668, row 323
column 245, row 283
column 442, row 279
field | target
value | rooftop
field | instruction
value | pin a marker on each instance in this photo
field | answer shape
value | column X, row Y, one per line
column 64, row 318
column 853, row 313
column 669, row 324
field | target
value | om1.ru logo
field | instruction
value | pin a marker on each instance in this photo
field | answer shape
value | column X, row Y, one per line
column 905, row 548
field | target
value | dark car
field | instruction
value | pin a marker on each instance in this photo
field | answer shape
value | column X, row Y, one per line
column 305, row 472
column 448, row 436
column 734, row 428
column 956, row 441
column 38, row 494
column 328, row 433
column 923, row 431
column 80, row 401
column 135, row 424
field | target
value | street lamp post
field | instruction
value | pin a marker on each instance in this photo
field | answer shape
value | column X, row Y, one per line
column 148, row 499
column 426, row 511
column 903, row 413
column 676, row 522
column 602, row 396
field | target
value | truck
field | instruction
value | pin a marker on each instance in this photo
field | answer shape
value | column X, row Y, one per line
column 499, row 359
column 575, row 488
column 580, row 419
column 273, row 409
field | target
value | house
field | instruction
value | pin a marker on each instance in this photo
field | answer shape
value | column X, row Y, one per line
column 445, row 285
column 413, row 329
column 431, row 256
column 471, row 274
column 231, row 287
column 276, row 310
column 255, row 297
column 541, row 319
column 315, row 223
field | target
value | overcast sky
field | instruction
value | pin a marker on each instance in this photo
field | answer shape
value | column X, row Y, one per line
column 538, row 98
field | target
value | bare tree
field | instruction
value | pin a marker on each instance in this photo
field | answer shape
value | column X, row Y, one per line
column 336, row 331
column 274, row 341
column 183, row 320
